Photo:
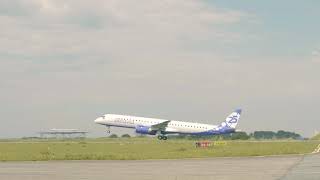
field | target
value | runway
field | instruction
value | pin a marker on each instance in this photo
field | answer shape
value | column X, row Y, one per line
column 268, row 168
column 308, row 168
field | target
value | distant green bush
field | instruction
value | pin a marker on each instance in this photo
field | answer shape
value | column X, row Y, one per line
column 275, row 135
column 113, row 136
column 231, row 136
column 125, row 136
column 240, row 136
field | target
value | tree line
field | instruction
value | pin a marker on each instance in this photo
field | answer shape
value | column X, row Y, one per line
column 258, row 135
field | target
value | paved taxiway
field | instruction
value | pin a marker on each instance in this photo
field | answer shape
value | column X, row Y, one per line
column 307, row 169
column 280, row 167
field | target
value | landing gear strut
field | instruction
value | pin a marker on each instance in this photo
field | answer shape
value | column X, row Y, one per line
column 108, row 129
column 162, row 137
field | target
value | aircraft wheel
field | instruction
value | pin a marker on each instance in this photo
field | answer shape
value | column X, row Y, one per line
column 160, row 137
column 164, row 137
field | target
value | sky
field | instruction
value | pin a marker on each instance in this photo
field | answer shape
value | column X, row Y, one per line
column 64, row 63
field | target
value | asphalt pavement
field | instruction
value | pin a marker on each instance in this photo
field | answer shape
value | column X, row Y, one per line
column 248, row 168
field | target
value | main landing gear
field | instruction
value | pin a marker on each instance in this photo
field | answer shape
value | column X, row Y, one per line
column 162, row 137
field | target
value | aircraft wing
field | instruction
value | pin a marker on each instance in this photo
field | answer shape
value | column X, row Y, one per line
column 161, row 126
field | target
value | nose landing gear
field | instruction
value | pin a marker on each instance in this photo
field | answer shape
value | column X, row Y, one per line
column 108, row 130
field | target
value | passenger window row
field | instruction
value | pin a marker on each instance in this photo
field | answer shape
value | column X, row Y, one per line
column 175, row 125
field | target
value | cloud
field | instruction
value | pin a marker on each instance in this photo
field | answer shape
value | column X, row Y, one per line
column 50, row 27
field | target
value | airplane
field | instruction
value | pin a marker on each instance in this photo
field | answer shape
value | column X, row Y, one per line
column 162, row 127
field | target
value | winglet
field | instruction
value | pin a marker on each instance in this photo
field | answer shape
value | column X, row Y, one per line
column 238, row 111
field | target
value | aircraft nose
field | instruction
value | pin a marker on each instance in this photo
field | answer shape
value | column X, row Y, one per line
column 99, row 120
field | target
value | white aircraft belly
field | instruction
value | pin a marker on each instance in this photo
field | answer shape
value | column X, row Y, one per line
column 183, row 130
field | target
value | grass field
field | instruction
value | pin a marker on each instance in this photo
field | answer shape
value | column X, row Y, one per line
column 143, row 148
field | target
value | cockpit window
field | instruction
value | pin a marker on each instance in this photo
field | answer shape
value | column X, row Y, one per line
column 103, row 116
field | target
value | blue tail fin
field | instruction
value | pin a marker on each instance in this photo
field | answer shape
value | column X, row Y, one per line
column 233, row 119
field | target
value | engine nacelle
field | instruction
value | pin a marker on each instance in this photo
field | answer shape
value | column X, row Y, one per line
column 145, row 130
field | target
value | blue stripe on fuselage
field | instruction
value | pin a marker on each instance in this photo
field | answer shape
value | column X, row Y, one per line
column 215, row 132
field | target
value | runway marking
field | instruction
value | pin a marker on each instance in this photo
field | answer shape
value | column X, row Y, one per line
column 317, row 150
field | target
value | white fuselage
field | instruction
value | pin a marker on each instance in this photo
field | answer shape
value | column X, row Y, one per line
column 133, row 122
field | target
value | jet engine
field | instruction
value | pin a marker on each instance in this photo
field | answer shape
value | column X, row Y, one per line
column 145, row 130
